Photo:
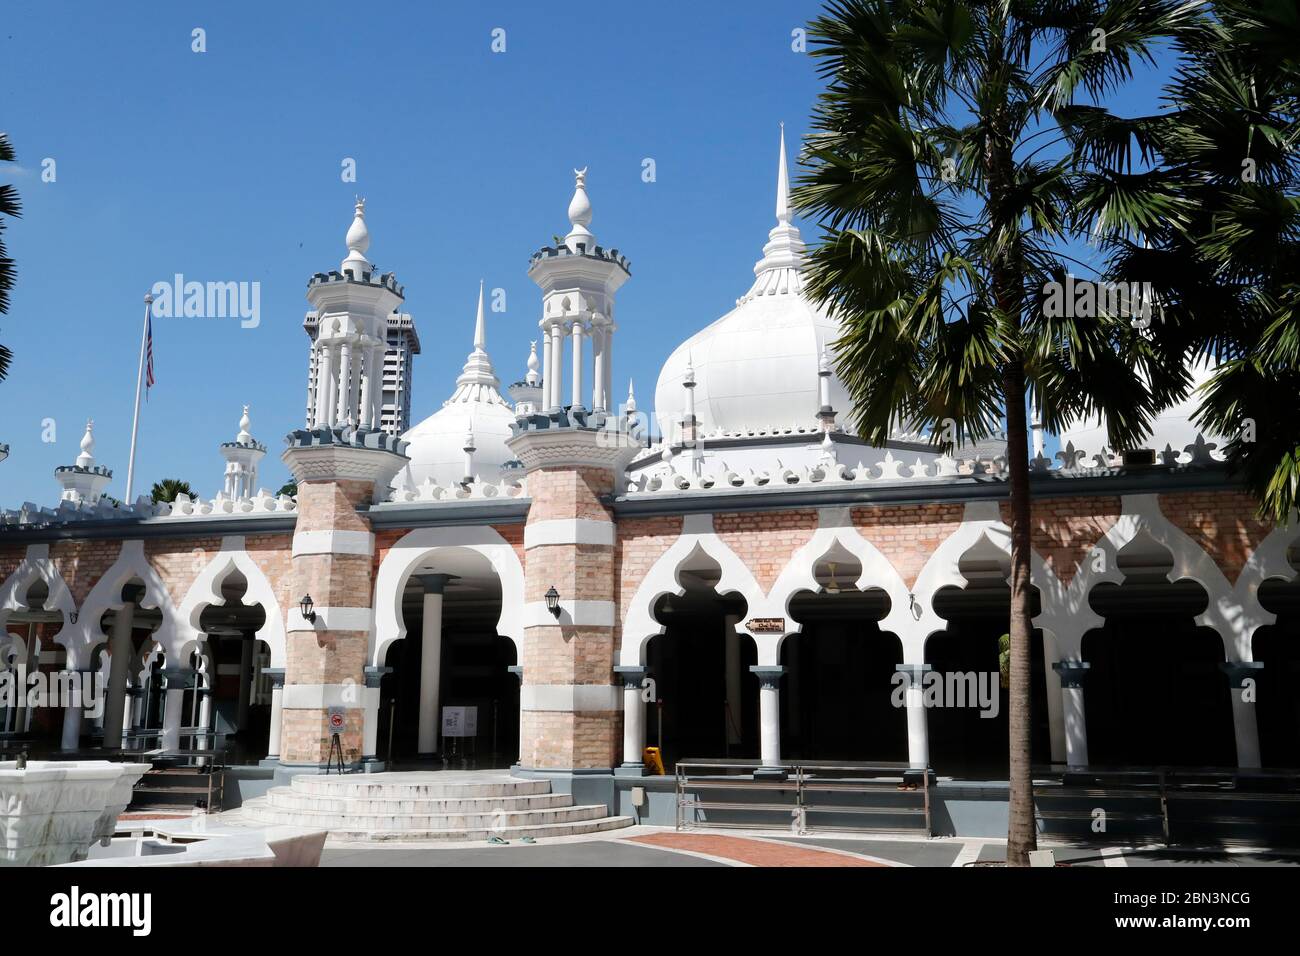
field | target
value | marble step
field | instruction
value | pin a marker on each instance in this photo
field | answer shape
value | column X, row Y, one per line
column 487, row 822
column 286, row 798
column 416, row 786
column 512, row 833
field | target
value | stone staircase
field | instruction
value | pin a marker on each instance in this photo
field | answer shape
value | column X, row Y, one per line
column 419, row 806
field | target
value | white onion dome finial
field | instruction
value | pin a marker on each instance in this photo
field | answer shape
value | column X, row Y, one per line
column 824, row 363
column 244, row 437
column 533, row 377
column 631, row 398
column 87, row 457
column 580, row 214
column 358, row 239
column 469, row 439
column 688, row 380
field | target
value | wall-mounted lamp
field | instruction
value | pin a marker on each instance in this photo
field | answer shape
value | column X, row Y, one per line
column 832, row 587
column 306, row 605
column 553, row 602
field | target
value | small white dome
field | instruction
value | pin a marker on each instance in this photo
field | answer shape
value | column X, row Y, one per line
column 756, row 367
column 437, row 444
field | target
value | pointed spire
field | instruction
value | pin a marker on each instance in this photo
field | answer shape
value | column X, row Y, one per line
column 244, row 437
column 533, row 377
column 480, row 326
column 631, row 398
column 783, row 186
column 87, row 457
column 580, row 214
column 478, row 370
column 778, row 272
column 358, row 240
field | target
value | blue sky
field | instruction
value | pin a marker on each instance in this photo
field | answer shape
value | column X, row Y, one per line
column 225, row 166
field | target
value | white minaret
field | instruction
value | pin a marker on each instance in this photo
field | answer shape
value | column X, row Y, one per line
column 578, row 281
column 527, row 394
column 353, row 306
column 825, row 413
column 469, row 449
column 84, row 482
column 242, row 456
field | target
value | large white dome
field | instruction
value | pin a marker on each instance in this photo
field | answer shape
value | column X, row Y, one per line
column 437, row 444
column 756, row 367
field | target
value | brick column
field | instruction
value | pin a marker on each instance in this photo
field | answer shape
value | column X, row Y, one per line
column 570, row 703
column 338, row 471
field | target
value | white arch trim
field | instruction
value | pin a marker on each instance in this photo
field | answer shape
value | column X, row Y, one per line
column 206, row 591
column 37, row 565
column 835, row 527
column 981, row 521
column 640, row 624
column 107, row 594
column 415, row 547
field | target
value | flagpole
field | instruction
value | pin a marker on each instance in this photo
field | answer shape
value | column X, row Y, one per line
column 139, row 381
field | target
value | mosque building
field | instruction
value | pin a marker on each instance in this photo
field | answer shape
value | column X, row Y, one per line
column 746, row 580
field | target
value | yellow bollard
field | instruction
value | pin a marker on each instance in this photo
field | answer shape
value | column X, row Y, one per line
column 653, row 761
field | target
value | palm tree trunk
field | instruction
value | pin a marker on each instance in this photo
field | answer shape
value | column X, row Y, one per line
column 1021, row 834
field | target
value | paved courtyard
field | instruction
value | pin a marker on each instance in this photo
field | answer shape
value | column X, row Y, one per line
column 655, row 846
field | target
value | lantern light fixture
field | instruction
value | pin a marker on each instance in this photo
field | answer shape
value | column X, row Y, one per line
column 306, row 606
column 553, row 602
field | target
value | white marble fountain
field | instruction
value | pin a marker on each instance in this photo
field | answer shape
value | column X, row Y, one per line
column 53, row 810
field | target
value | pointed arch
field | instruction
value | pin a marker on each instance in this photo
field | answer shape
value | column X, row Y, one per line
column 38, row 566
column 663, row 578
column 835, row 527
column 206, row 592
column 106, row 595
column 981, row 522
column 415, row 547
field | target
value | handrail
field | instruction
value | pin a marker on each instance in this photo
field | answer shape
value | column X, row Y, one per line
column 1166, row 784
column 802, row 779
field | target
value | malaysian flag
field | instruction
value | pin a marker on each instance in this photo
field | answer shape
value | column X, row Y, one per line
column 148, row 350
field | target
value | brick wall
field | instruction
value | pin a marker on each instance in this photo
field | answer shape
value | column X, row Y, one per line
column 1224, row 524
column 766, row 540
column 907, row 535
column 1065, row 530
column 640, row 543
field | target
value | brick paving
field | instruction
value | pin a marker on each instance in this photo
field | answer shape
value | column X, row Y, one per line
column 751, row 851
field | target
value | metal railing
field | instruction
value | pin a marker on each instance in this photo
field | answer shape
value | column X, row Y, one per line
column 1182, row 800
column 727, row 787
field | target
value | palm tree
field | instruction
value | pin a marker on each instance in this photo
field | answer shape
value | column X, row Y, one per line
column 9, row 206
column 951, row 155
column 1229, row 267
column 169, row 488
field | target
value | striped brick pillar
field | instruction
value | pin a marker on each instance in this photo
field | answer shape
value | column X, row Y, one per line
column 340, row 472
column 570, row 702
